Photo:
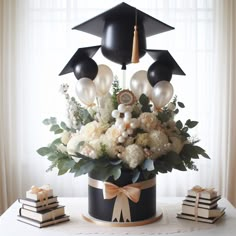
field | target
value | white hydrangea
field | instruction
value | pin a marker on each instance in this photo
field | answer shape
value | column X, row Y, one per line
column 133, row 155
column 157, row 138
column 142, row 139
column 158, row 143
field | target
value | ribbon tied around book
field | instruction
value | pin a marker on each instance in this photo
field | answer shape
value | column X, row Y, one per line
column 198, row 190
column 42, row 192
column 122, row 195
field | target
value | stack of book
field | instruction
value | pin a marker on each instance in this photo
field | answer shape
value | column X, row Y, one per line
column 41, row 210
column 201, row 206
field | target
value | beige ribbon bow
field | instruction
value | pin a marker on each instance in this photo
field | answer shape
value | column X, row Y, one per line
column 42, row 192
column 122, row 194
column 198, row 190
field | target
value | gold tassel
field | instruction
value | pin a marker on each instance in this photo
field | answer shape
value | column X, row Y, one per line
column 135, row 49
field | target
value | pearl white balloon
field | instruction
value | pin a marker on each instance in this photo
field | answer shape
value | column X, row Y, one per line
column 162, row 93
column 86, row 91
column 139, row 84
column 121, row 108
column 103, row 80
column 115, row 114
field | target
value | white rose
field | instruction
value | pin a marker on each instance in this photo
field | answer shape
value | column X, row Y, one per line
column 73, row 144
column 92, row 130
column 88, row 151
column 113, row 133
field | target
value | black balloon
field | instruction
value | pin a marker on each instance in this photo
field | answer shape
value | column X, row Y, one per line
column 86, row 68
column 117, row 40
column 158, row 72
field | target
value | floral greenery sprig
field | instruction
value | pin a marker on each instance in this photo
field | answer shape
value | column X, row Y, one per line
column 135, row 138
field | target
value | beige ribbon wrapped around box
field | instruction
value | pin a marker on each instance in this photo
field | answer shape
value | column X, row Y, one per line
column 122, row 194
column 42, row 191
column 198, row 190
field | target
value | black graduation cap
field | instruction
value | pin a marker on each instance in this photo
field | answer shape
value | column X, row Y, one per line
column 80, row 55
column 116, row 28
column 163, row 67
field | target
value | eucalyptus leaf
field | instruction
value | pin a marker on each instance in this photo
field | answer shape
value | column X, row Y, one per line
column 56, row 142
column 53, row 157
column 54, row 127
column 43, row 151
column 192, row 124
column 116, row 162
column 83, row 167
column 64, row 126
column 198, row 149
column 205, row 155
column 53, row 120
column 180, row 104
column 189, row 151
column 180, row 167
column 58, row 131
column 176, row 111
column 46, row 122
column 179, row 124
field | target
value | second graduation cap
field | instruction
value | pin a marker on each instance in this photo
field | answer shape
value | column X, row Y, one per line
column 82, row 63
column 116, row 28
column 163, row 67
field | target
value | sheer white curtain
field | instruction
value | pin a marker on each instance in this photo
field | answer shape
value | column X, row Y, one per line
column 36, row 41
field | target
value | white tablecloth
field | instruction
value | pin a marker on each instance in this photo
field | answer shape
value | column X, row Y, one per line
column 75, row 207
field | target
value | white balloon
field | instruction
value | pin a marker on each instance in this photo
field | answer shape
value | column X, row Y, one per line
column 139, row 84
column 103, row 80
column 86, row 91
column 162, row 93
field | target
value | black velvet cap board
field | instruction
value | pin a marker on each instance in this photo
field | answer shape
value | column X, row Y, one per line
column 123, row 11
column 116, row 28
column 165, row 58
column 81, row 54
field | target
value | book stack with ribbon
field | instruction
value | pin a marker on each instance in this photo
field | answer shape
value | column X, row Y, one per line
column 41, row 208
column 201, row 204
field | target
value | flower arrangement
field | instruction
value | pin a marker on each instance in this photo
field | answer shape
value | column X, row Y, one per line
column 112, row 136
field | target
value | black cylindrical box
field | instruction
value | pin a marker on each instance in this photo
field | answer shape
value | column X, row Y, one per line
column 102, row 209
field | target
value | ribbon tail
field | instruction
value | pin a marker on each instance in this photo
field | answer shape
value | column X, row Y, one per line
column 117, row 208
column 125, row 209
column 196, row 206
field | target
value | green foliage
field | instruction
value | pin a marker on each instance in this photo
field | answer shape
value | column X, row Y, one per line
column 115, row 90
column 145, row 103
column 103, row 166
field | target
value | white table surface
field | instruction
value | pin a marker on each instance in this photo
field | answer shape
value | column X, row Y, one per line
column 169, row 224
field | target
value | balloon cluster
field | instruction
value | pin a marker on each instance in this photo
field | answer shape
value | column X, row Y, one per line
column 160, row 92
column 90, row 87
column 122, row 29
